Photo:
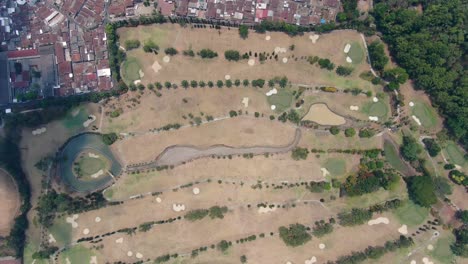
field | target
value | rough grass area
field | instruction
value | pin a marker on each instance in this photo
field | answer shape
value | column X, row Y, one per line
column 356, row 53
column 455, row 155
column 75, row 118
column 378, row 109
column 392, row 156
column 62, row 231
column 77, row 254
column 336, row 166
column 28, row 252
column 130, row 70
column 442, row 251
column 282, row 99
column 411, row 214
column 425, row 113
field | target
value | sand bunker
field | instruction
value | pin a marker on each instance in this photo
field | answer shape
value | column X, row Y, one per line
column 416, row 119
column 227, row 77
column 403, row 230
column 119, row 240
column 92, row 155
column 272, row 92
column 39, row 131
column 413, row 262
column 349, row 60
column 166, row 59
column 312, row 260
column 426, row 260
column 264, row 210
column 285, row 60
column 136, row 82
column 325, row 172
column 178, row 207
column 245, row 101
column 411, row 104
column 196, row 191
column 85, row 231
column 129, row 253
column 97, row 174
column 354, row 108
column 71, row 220
column 141, row 73
column 314, row 38
column 280, row 50
column 52, row 239
column 138, row 255
column 347, row 48
column 375, row 99
column 91, row 119
column 373, row 118
column 67, row 261
column 97, row 219
column 268, row 37
column 273, row 107
column 93, row 260
column 322, row 115
column 430, row 247
column 322, row 246
column 251, row 62
column 380, row 220
column 156, row 66
column 158, row 200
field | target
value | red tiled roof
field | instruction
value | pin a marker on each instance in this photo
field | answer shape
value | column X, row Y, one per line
column 22, row 53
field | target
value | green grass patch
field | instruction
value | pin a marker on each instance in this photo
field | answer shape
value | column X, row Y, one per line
column 356, row 53
column 336, row 166
column 29, row 250
column 75, row 118
column 62, row 231
column 442, row 251
column 455, row 154
column 378, row 109
column 282, row 99
column 426, row 114
column 90, row 165
column 392, row 156
column 108, row 193
column 411, row 214
column 77, row 254
column 130, row 70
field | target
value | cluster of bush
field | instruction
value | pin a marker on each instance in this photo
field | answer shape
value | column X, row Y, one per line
column 299, row 153
column 294, row 235
column 322, row 228
column 214, row 212
column 292, row 116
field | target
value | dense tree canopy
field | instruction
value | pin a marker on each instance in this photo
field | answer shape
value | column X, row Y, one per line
column 421, row 190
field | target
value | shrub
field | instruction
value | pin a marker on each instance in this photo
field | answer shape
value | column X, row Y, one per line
column 320, row 229
column 243, row 31
column 449, row 166
column 295, row 235
column 334, row 130
column 197, row 214
column 171, row 51
column 410, row 148
column 344, row 71
column 299, row 153
column 189, row 53
column 329, row 89
column 326, row 64
column 150, row 46
column 318, row 187
column 432, row 147
column 207, row 54
column 232, row 113
column 355, row 217
column 350, row 132
column 232, row 55
column 458, row 177
column 109, row 138
column 132, row 44
column 218, row 212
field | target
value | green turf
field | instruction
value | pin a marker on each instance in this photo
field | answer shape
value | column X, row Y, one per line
column 28, row 252
column 411, row 214
column 425, row 113
column 356, row 53
column 75, row 118
column 77, row 254
column 282, row 99
column 378, row 109
column 62, row 231
column 454, row 154
column 108, row 193
column 89, row 165
column 336, row 166
column 442, row 251
column 392, row 156
column 130, row 70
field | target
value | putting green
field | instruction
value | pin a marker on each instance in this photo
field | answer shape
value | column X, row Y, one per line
column 442, row 251
column 391, row 155
column 455, row 154
column 75, row 118
column 356, row 53
column 282, row 100
column 77, row 254
column 130, row 70
column 426, row 114
column 378, row 109
column 336, row 166
column 411, row 214
column 62, row 231
column 89, row 165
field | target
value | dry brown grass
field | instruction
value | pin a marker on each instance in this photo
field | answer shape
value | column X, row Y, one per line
column 10, row 202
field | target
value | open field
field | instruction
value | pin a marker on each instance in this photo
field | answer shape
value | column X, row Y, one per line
column 10, row 202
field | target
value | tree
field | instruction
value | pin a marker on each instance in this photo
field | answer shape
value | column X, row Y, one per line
column 158, row 85
column 228, row 83
column 377, row 55
column 243, row 31
column 271, row 83
column 220, row 84
column 184, row 84
column 237, row 82
column 223, row 245
column 295, row 235
column 397, row 75
column 150, row 46
column 232, row 55
column 171, row 51
column 344, row 71
column 326, row 64
column 357, row 216
column 217, row 212
column 151, row 86
column 201, row 84
column 109, row 138
column 421, row 190
column 141, row 87
column 132, row 44
column 132, row 87
column 410, row 148
column 334, row 130
column 210, row 84
column 197, row 214
column 245, row 82
column 299, row 153
column 167, row 85
column 18, row 67
column 350, row 132
column 258, row 83
column 283, row 82
column 243, row 259
column 432, row 147
column 193, row 84
column 207, row 54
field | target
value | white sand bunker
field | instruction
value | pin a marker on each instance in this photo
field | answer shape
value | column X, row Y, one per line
column 141, row 73
column 325, row 172
column 67, row 261
column 178, row 207
column 196, row 190
column 314, row 38
column 380, row 220
column 285, row 60
column 403, row 230
column 156, row 66
column 97, row 219
column 52, row 239
column 375, row 99
column 97, row 174
column 354, row 108
column 251, row 62
column 245, row 101
column 411, row 104
column 138, row 255
column 39, row 131
column 426, row 260
column 312, row 260
column 227, row 77
column 136, row 82
column 264, row 210
column 85, row 231
column 119, row 240
column 289, row 262
column 92, row 155
column 166, row 59
column 93, row 260
column 349, row 60
column 413, row 261
column 273, row 107
column 72, row 220
column 268, row 37
column 430, row 247
column 416, row 119
column 158, row 200
column 347, row 48
column 373, row 118
column 322, row 246
column 271, row 92
column 279, row 50
column 129, row 253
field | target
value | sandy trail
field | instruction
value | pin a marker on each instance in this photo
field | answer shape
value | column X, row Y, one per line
column 176, row 155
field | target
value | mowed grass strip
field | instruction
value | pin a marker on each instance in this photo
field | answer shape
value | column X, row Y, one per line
column 411, row 214
column 425, row 113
